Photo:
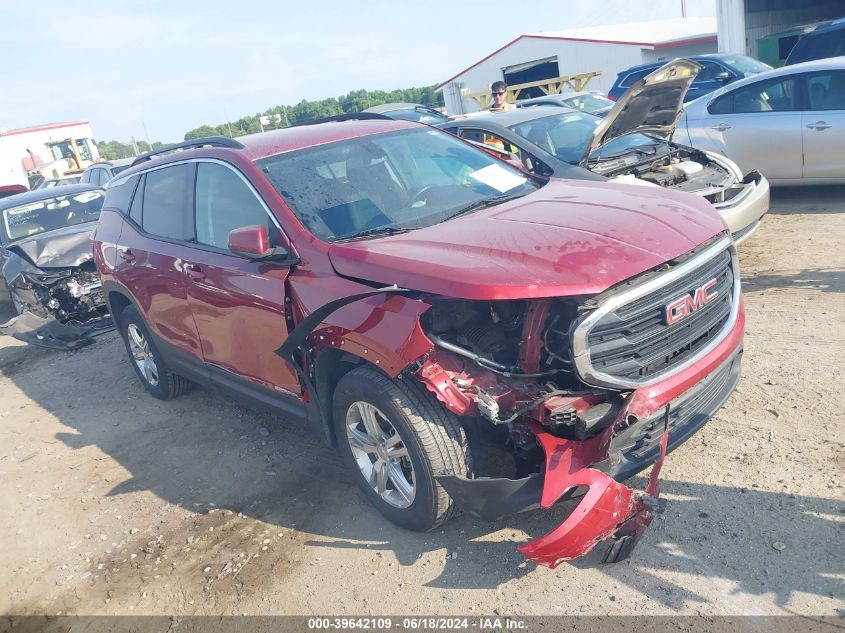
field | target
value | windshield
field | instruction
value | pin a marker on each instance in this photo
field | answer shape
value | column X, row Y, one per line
column 745, row 64
column 588, row 103
column 396, row 181
column 566, row 136
column 52, row 213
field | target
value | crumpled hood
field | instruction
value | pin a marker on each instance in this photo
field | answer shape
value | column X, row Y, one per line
column 63, row 248
column 568, row 238
column 652, row 105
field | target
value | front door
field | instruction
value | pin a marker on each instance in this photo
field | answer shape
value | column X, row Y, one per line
column 759, row 126
column 238, row 304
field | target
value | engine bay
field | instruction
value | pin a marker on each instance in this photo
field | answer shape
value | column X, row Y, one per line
column 679, row 168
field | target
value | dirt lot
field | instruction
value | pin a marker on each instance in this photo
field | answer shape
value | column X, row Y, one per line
column 116, row 503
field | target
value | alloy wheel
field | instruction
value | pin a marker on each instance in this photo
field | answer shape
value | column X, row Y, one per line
column 381, row 454
column 139, row 347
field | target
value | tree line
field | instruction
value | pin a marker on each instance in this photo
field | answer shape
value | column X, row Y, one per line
column 302, row 112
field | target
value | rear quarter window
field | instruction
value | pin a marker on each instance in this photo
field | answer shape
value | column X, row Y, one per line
column 119, row 194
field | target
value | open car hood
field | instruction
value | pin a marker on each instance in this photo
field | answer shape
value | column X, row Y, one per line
column 653, row 104
column 568, row 238
column 67, row 247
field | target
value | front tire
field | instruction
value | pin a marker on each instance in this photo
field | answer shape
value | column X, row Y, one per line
column 147, row 361
column 395, row 436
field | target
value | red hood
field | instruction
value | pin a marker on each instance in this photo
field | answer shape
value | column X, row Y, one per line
column 568, row 238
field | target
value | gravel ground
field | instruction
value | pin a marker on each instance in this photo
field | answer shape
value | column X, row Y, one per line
column 116, row 503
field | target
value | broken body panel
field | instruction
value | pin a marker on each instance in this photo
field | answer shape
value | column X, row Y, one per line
column 55, row 288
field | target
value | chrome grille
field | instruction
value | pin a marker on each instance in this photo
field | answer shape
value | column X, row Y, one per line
column 627, row 341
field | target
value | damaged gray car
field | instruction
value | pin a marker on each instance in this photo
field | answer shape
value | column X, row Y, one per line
column 48, row 268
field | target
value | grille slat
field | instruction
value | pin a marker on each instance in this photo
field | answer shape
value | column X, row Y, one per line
column 634, row 342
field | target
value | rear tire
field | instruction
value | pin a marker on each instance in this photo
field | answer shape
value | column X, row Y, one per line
column 147, row 361
column 413, row 439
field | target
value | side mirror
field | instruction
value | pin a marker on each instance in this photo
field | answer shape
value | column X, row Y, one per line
column 253, row 242
column 722, row 76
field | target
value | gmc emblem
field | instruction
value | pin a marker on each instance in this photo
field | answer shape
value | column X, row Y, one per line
column 688, row 304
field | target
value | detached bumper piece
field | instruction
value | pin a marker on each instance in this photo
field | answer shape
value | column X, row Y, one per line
column 607, row 511
column 47, row 332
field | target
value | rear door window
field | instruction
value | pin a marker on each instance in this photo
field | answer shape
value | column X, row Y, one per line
column 635, row 77
column 224, row 202
column 167, row 202
column 774, row 95
column 826, row 90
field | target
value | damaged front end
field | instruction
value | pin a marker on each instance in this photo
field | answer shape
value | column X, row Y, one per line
column 59, row 308
column 565, row 398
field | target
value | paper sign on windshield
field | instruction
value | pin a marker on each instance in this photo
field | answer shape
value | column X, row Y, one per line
column 498, row 177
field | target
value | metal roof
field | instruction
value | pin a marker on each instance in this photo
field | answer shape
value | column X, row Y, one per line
column 41, row 128
column 656, row 34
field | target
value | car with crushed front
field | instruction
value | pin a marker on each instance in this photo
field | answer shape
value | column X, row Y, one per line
column 48, row 266
column 631, row 144
column 467, row 335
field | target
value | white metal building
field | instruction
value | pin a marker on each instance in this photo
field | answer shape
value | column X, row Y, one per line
column 25, row 149
column 609, row 49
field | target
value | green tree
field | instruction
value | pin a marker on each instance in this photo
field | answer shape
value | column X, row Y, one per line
column 202, row 130
column 306, row 111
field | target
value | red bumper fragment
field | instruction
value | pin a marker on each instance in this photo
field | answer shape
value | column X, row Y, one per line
column 607, row 510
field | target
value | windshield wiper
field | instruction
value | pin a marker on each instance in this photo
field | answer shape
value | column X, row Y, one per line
column 482, row 204
column 379, row 231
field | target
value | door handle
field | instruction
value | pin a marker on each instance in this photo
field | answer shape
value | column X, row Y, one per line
column 721, row 127
column 194, row 272
column 126, row 255
column 819, row 125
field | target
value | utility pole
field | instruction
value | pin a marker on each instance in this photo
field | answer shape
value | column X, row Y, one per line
column 146, row 134
column 135, row 146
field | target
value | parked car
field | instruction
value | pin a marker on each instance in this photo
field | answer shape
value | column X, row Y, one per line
column 11, row 190
column 819, row 41
column 589, row 102
column 57, row 182
column 718, row 70
column 101, row 172
column 629, row 145
column 409, row 112
column 48, row 267
column 421, row 303
column 787, row 123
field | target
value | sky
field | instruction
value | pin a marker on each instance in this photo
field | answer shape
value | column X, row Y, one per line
column 150, row 68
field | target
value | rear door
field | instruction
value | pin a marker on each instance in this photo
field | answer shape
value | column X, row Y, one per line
column 150, row 256
column 824, row 125
column 238, row 304
column 759, row 126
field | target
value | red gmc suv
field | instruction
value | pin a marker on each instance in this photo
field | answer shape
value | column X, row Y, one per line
column 467, row 335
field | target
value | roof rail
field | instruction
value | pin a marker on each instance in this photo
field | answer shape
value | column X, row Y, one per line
column 205, row 141
column 352, row 116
